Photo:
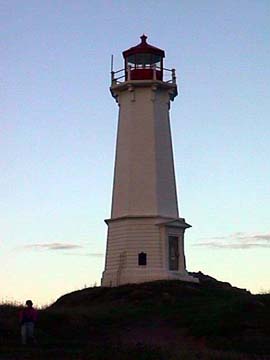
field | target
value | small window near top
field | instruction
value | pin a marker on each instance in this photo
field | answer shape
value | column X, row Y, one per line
column 142, row 258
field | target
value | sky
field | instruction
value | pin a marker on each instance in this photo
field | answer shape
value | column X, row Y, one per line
column 58, row 126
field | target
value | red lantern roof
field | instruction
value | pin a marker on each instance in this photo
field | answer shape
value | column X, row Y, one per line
column 143, row 47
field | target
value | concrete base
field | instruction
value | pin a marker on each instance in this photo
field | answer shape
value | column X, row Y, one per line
column 136, row 276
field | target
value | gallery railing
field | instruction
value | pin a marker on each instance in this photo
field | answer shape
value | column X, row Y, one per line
column 156, row 73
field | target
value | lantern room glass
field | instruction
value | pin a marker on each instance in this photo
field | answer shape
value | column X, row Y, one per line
column 144, row 61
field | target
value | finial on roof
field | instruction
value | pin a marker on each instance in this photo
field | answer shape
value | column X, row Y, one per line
column 143, row 38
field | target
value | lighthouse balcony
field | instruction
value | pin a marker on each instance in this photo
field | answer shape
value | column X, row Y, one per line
column 143, row 73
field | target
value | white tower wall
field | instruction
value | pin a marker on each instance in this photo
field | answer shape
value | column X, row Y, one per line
column 144, row 181
column 144, row 218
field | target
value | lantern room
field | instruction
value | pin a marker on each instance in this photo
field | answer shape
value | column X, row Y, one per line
column 144, row 62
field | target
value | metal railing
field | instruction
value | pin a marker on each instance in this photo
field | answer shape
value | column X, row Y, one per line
column 120, row 76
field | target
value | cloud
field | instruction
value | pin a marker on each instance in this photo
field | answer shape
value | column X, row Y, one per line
column 52, row 246
column 238, row 240
column 62, row 246
column 97, row 255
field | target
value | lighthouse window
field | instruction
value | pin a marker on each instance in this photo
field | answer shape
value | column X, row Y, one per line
column 131, row 61
column 156, row 60
column 173, row 253
column 143, row 60
column 142, row 258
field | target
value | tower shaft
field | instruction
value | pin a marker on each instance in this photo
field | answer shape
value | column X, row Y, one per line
column 144, row 180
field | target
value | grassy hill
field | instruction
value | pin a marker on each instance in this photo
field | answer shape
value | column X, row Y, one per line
column 159, row 320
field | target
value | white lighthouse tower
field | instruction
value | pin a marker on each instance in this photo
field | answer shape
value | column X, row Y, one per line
column 145, row 233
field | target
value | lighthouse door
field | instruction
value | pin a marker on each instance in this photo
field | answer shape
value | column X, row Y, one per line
column 173, row 253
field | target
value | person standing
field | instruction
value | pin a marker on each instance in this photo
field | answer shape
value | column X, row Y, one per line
column 28, row 318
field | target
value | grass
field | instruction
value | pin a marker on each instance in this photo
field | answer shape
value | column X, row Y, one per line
column 160, row 320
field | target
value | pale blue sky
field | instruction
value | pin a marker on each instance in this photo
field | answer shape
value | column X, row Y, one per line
column 58, row 129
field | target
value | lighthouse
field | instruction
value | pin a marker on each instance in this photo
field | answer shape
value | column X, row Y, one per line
column 145, row 239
